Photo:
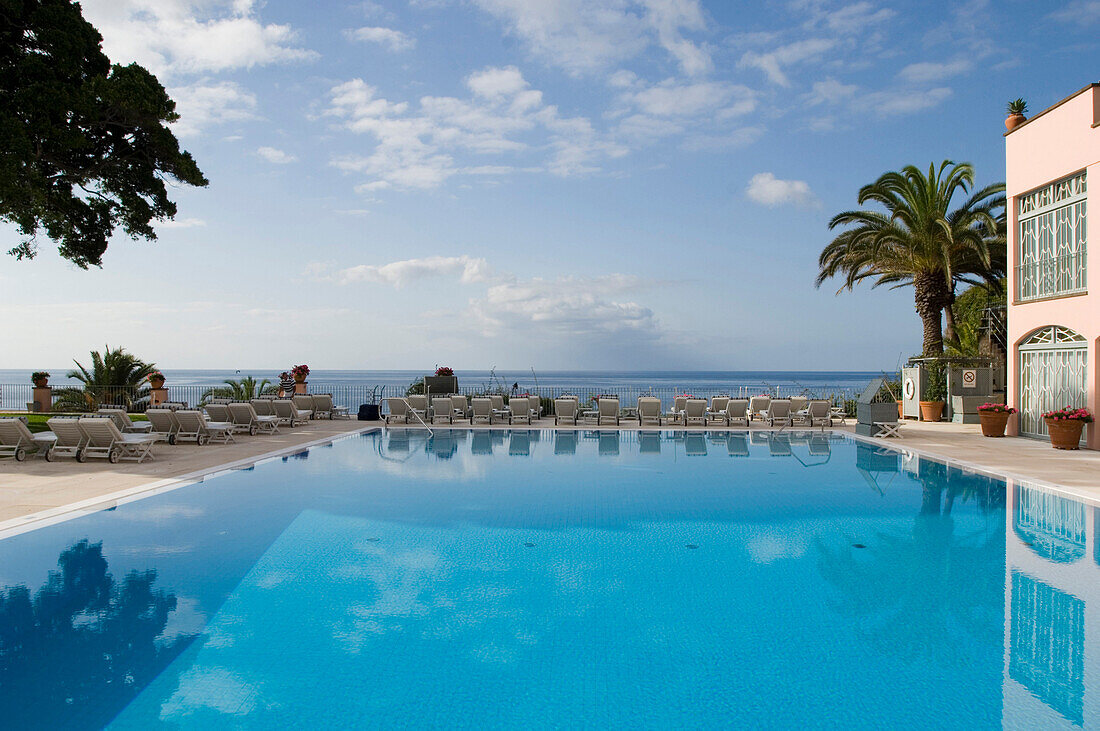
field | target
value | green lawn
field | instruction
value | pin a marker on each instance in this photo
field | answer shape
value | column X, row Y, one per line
column 37, row 422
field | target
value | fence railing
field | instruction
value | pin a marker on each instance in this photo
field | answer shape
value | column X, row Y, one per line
column 15, row 397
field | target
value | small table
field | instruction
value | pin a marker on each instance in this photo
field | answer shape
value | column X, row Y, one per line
column 888, row 429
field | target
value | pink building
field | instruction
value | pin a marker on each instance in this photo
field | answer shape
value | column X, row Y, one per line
column 1053, row 316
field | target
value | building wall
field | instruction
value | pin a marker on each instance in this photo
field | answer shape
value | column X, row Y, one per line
column 1061, row 141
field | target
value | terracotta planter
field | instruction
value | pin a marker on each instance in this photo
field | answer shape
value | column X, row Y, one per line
column 1013, row 121
column 993, row 423
column 900, row 415
column 299, row 379
column 1065, row 433
column 156, row 382
column 41, row 382
column 931, row 410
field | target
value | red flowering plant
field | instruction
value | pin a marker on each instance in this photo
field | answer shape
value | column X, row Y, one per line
column 684, row 395
column 443, row 371
column 155, row 376
column 300, row 371
column 991, row 408
column 1069, row 413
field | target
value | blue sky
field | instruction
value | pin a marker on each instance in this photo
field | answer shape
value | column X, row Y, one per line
column 631, row 184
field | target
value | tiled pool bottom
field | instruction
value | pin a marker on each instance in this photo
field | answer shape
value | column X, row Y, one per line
column 544, row 579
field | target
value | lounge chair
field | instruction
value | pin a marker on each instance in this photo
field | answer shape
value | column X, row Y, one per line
column 192, row 425
column 758, row 405
column 819, row 412
column 798, row 403
column 460, row 407
column 165, row 424
column 105, row 440
column 289, row 414
column 305, row 402
column 716, row 414
column 608, row 411
column 418, row 405
column 565, row 409
column 649, row 410
column 322, row 402
column 397, row 410
column 519, row 411
column 534, row 405
column 70, row 440
column 481, row 409
column 124, row 423
column 245, row 419
column 676, row 413
column 442, row 409
column 778, row 410
column 498, row 406
column 737, row 411
column 695, row 411
column 16, row 440
column 263, row 406
column 218, row 412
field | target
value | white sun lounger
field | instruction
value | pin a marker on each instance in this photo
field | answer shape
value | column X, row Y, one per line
column 322, row 406
column 105, row 440
column 460, row 407
column 737, row 411
column 16, row 440
column 716, row 414
column 218, row 412
column 398, row 410
column 481, row 409
column 695, row 411
column 758, row 405
column 164, row 424
column 676, row 413
column 123, row 421
column 778, row 410
column 263, row 406
column 608, row 411
column 565, row 409
column 289, row 414
column 418, row 404
column 192, row 425
column 649, row 410
column 442, row 409
column 245, row 419
column 70, row 440
column 518, row 410
column 304, row 402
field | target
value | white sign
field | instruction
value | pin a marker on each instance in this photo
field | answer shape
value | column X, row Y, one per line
column 970, row 378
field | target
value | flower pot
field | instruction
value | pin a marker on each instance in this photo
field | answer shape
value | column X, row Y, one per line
column 900, row 414
column 931, row 410
column 299, row 379
column 156, row 382
column 1013, row 121
column 41, row 382
column 1065, row 433
column 993, row 423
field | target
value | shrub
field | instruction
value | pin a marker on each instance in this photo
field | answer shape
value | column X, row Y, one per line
column 1069, row 413
column 996, row 409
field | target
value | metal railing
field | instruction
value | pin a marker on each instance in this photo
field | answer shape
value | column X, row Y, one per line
column 15, row 397
column 1051, row 277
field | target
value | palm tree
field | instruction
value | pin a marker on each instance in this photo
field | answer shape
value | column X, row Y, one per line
column 920, row 241
column 243, row 390
column 116, row 377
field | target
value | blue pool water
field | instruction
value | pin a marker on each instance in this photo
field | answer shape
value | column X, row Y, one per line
column 562, row 579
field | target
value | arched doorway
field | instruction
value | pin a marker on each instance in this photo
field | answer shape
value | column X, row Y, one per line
column 1052, row 374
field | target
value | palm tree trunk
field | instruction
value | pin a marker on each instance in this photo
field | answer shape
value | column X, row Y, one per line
column 950, row 334
column 930, row 296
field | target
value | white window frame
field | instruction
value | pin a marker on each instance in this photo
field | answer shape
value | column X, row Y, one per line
column 1051, row 233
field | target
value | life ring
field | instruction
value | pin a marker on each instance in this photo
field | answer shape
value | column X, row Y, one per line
column 910, row 388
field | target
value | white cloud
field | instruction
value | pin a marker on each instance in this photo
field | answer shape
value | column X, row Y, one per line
column 395, row 40
column 207, row 103
column 1079, row 12
column 768, row 190
column 830, row 91
column 398, row 274
column 275, row 155
column 930, row 72
column 773, row 62
column 901, row 101
column 191, row 36
column 182, row 223
column 593, row 35
column 416, row 148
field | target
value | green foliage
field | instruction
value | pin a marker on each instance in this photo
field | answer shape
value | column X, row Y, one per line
column 116, row 378
column 935, row 384
column 919, row 240
column 84, row 144
column 243, row 390
column 969, row 309
column 1016, row 106
column 889, row 391
column 416, row 388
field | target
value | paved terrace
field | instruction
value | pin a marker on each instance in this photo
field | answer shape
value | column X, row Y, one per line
column 37, row 490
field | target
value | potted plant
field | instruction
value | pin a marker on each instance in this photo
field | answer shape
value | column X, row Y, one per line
column 934, row 393
column 443, row 382
column 299, row 372
column 1015, row 109
column 156, row 379
column 994, row 418
column 1064, row 426
column 40, row 379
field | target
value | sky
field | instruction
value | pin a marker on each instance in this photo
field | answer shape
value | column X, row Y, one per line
column 558, row 184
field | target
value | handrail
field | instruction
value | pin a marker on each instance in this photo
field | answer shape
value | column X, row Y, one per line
column 418, row 416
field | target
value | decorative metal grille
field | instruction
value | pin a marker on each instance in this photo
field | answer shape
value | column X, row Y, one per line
column 1051, row 245
column 1052, row 525
column 1052, row 375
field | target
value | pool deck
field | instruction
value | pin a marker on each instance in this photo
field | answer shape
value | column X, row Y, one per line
column 36, row 492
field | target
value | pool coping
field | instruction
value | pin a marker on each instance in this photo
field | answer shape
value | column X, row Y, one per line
column 71, row 511
column 63, row 513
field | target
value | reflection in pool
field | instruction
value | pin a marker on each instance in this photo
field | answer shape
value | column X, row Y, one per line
column 570, row 578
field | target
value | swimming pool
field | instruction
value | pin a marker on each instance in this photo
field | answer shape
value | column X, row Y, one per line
column 573, row 578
